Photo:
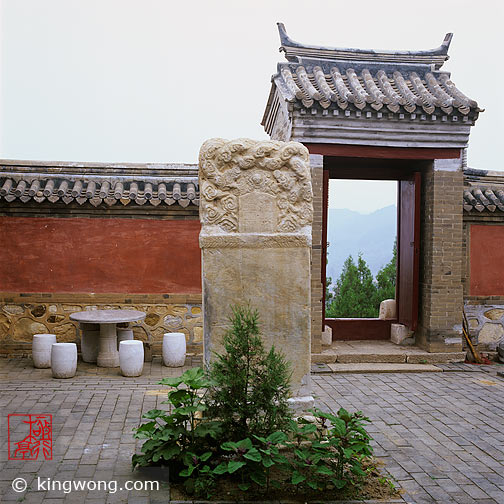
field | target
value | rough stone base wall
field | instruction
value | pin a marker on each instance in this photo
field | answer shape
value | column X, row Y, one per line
column 23, row 315
column 486, row 323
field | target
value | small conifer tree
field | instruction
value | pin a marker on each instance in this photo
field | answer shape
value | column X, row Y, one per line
column 251, row 385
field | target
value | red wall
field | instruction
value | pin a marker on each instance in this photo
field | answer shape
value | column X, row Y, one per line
column 99, row 255
column 487, row 260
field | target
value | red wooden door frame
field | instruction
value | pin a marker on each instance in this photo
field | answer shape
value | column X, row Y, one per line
column 383, row 163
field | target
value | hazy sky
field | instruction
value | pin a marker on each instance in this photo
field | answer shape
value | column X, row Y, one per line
column 150, row 80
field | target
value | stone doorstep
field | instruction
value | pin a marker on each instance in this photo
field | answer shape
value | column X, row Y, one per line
column 384, row 367
column 329, row 357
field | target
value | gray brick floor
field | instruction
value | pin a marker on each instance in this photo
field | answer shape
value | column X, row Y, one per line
column 440, row 435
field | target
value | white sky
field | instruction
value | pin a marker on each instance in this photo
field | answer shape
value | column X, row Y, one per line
column 151, row 80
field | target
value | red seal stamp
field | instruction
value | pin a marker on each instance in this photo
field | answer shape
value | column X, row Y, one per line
column 29, row 436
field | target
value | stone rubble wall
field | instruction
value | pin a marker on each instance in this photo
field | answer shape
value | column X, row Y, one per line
column 486, row 325
column 21, row 318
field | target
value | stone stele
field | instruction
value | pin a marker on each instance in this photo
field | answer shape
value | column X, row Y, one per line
column 256, row 211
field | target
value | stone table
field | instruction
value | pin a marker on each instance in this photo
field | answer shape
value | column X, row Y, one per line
column 108, row 356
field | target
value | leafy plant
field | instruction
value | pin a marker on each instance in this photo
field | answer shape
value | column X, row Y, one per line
column 200, row 438
column 251, row 385
column 179, row 438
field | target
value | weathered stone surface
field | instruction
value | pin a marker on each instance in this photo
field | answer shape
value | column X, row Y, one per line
column 256, row 212
column 494, row 314
column 398, row 333
column 152, row 319
column 195, row 310
column 197, row 335
column 54, row 319
column 388, row 309
column 371, row 357
column 383, row 368
column 473, row 323
column 38, row 311
column 173, row 322
column 13, row 309
column 437, row 358
column 490, row 335
column 53, row 309
column 65, row 333
column 327, row 336
column 25, row 328
column 4, row 326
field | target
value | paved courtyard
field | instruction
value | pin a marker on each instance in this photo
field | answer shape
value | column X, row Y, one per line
column 440, row 435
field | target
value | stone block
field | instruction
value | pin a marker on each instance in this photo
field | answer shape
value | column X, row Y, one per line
column 327, row 336
column 388, row 310
column 398, row 333
column 490, row 336
column 494, row 314
column 256, row 212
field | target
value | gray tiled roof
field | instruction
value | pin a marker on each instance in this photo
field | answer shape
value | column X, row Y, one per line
column 110, row 184
column 483, row 190
column 375, row 81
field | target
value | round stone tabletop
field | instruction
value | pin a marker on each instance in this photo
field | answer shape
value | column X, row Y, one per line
column 107, row 316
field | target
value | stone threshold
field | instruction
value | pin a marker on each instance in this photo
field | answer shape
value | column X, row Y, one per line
column 358, row 352
column 383, row 367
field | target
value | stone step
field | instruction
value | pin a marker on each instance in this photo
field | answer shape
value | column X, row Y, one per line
column 383, row 367
column 399, row 357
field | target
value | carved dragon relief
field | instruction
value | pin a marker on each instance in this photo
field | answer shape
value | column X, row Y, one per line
column 231, row 170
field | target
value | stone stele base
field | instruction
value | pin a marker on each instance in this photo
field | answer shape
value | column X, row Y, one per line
column 256, row 213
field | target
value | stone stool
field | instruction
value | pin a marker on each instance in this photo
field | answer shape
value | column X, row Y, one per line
column 123, row 334
column 41, row 350
column 174, row 349
column 90, row 337
column 131, row 357
column 64, row 360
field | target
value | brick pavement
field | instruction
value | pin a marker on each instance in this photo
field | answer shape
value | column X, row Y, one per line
column 440, row 435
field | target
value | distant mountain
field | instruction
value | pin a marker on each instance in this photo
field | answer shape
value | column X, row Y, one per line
column 350, row 232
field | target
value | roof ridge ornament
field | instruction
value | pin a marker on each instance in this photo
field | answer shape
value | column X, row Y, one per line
column 295, row 52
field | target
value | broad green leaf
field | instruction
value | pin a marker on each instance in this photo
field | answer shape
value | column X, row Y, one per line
column 171, row 382
column 312, row 484
column 267, row 462
column 221, row 468
column 229, row 446
column 205, row 456
column 344, row 415
column 245, row 443
column 187, row 472
column 253, row 455
column 258, row 477
column 154, row 413
column 297, row 478
column 276, row 437
column 244, row 486
column 234, row 465
column 301, row 454
column 338, row 483
column 324, row 470
column 263, row 440
column 170, row 452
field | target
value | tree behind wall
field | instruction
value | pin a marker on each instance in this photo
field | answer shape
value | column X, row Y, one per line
column 355, row 291
column 356, row 294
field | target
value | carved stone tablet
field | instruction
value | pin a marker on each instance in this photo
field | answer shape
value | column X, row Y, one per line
column 256, row 212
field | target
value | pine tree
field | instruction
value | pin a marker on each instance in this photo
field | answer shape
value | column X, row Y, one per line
column 355, row 291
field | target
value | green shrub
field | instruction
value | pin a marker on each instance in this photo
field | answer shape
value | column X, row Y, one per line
column 250, row 386
column 234, row 422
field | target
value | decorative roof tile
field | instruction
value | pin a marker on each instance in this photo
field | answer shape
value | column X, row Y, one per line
column 98, row 184
column 483, row 190
column 365, row 80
